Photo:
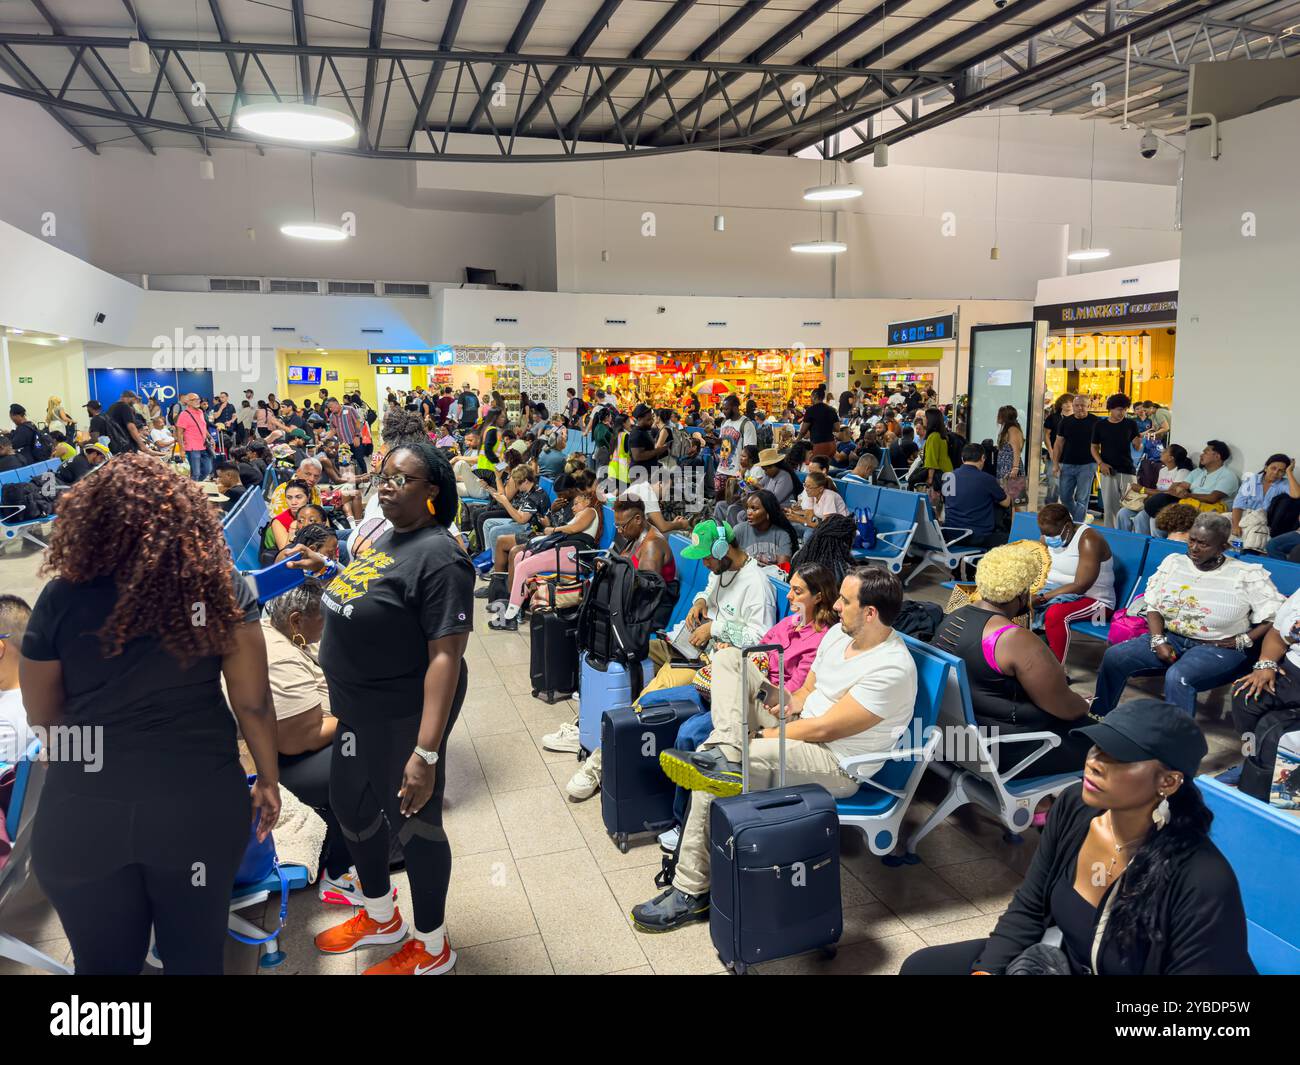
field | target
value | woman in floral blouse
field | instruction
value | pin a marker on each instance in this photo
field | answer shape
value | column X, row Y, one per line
column 1206, row 612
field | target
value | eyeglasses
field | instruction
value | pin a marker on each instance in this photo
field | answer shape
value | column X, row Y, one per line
column 620, row 526
column 397, row 480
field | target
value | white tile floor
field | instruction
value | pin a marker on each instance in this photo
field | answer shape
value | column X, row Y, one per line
column 538, row 887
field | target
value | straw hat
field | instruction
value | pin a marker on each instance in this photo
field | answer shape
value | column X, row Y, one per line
column 769, row 456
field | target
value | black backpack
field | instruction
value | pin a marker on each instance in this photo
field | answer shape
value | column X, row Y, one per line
column 24, row 502
column 764, row 436
column 371, row 415
column 619, row 612
column 955, row 443
column 118, row 441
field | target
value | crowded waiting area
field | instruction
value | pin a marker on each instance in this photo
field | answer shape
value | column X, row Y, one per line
column 690, row 548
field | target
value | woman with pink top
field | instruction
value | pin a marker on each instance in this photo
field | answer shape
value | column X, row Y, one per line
column 813, row 592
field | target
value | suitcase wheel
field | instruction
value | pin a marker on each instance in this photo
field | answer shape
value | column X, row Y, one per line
column 620, row 841
column 1012, row 837
column 534, row 693
column 739, row 968
column 830, row 952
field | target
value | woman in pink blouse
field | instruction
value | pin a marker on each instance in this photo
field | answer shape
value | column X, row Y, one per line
column 813, row 592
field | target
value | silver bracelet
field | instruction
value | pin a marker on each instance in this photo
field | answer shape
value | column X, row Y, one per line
column 1157, row 641
column 1244, row 642
column 1265, row 663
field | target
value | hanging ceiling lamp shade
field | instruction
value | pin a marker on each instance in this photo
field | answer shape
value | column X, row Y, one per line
column 313, row 231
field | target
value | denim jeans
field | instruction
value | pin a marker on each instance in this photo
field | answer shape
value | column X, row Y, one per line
column 200, row 464
column 1076, row 488
column 497, row 527
column 1138, row 521
column 1282, row 546
column 1198, row 667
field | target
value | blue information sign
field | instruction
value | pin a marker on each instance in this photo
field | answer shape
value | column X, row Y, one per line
column 921, row 331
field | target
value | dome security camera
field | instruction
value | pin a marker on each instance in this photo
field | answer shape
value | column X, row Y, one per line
column 1148, row 145
column 1000, row 4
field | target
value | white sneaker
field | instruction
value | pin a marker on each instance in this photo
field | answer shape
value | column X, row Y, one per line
column 669, row 840
column 342, row 891
column 497, row 605
column 564, row 738
column 586, row 781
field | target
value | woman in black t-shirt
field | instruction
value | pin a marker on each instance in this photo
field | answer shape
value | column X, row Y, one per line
column 397, row 621
column 145, row 814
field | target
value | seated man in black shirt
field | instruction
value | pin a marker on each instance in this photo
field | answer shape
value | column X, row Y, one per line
column 9, row 459
column 230, row 482
column 92, row 455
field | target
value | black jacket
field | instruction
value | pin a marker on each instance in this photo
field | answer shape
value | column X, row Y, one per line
column 1203, row 923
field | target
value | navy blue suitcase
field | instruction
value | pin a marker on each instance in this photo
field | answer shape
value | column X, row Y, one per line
column 635, row 795
column 774, row 865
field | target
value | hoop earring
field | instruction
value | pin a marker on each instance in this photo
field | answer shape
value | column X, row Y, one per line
column 300, row 641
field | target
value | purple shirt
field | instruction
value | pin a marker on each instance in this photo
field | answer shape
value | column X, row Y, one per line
column 800, row 650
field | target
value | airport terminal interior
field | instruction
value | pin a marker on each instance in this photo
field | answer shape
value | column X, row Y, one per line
column 649, row 487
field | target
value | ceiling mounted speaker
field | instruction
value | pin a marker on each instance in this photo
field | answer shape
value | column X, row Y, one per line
column 138, row 58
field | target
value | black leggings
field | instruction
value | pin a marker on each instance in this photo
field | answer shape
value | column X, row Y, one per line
column 950, row 959
column 1266, row 719
column 308, row 777
column 370, row 755
column 114, row 868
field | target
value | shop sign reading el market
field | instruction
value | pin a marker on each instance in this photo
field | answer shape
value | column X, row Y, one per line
column 1137, row 310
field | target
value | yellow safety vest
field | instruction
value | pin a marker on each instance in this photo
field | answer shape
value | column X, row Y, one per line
column 485, row 463
column 620, row 462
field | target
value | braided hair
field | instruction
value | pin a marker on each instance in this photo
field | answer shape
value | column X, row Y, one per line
column 830, row 545
column 438, row 471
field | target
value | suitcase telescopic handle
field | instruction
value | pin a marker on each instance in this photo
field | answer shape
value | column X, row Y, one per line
column 745, row 653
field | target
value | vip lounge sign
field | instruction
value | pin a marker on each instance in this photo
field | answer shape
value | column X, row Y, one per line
column 1136, row 310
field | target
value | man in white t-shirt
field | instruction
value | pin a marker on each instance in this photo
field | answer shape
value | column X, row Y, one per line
column 1266, row 701
column 737, row 604
column 858, row 700
column 735, row 432
column 14, row 733
column 649, row 492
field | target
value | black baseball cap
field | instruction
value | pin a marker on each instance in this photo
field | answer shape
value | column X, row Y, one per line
column 1147, row 729
column 93, row 405
column 641, row 410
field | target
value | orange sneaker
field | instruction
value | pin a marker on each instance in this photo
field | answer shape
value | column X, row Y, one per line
column 414, row 960
column 360, row 931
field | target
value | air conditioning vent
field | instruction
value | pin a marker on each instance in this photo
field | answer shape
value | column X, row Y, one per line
column 405, row 288
column 506, row 321
column 234, row 284
column 206, row 328
column 373, row 330
column 351, row 288
column 616, row 321
column 811, row 325
column 284, row 329
column 715, row 324
column 280, row 284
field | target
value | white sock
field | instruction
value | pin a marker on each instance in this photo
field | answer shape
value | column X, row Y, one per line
column 382, row 908
column 433, row 941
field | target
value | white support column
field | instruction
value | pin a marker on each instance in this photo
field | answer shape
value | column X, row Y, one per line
column 568, row 372
column 4, row 371
column 837, row 377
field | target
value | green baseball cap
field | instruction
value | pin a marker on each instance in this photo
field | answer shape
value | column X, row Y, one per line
column 704, row 536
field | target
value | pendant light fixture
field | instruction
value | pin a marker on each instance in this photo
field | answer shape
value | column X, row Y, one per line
column 719, row 220
column 826, row 194
column 299, row 123
column 314, row 230
column 1088, row 253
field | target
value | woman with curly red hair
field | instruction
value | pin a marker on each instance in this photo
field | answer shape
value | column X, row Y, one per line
column 127, row 646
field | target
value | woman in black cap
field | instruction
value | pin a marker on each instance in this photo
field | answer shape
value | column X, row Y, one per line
column 1125, row 869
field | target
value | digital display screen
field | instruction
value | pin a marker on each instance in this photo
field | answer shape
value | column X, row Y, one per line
column 304, row 375
column 921, row 331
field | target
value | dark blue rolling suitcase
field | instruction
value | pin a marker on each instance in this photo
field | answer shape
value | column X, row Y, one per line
column 775, row 864
column 635, row 795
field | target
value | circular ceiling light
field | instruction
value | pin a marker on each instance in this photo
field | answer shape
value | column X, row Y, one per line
column 1084, row 255
column 823, row 193
column 314, row 231
column 819, row 247
column 304, row 123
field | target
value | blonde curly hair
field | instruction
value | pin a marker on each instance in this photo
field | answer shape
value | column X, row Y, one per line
column 1008, row 572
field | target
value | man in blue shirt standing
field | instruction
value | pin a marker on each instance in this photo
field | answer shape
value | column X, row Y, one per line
column 971, row 499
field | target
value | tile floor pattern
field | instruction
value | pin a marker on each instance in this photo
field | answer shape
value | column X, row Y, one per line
column 539, row 888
